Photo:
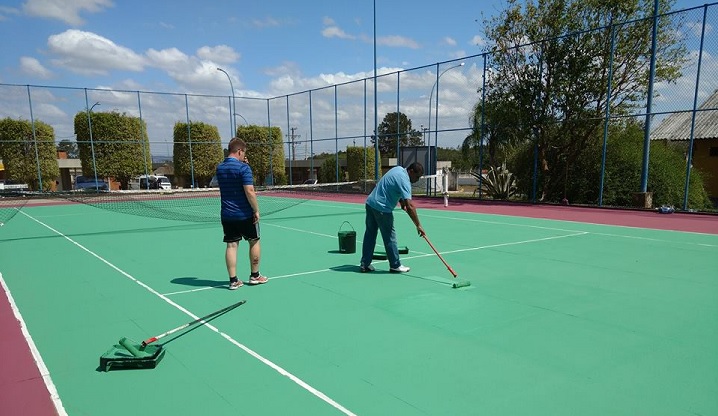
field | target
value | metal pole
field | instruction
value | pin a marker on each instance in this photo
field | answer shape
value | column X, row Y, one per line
column 377, row 158
column 233, row 121
column 34, row 136
column 608, row 112
column 436, row 83
column 189, row 140
column 436, row 124
column 649, row 104
column 142, row 141
column 483, row 128
column 689, row 161
column 92, row 143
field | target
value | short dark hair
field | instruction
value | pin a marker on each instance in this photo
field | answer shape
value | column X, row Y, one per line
column 417, row 168
column 236, row 144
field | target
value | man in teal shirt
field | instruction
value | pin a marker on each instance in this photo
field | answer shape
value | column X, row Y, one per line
column 393, row 187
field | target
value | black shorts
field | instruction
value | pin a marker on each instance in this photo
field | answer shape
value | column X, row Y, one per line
column 235, row 230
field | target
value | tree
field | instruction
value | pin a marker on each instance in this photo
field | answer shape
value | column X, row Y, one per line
column 396, row 126
column 68, row 147
column 265, row 152
column 117, row 142
column 549, row 71
column 29, row 153
column 197, row 152
column 360, row 163
column 494, row 124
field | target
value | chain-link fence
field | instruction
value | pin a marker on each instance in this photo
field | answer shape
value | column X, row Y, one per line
column 446, row 105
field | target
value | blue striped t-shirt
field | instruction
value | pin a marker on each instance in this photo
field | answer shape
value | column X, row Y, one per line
column 232, row 175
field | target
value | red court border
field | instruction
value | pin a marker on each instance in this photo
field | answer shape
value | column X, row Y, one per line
column 23, row 391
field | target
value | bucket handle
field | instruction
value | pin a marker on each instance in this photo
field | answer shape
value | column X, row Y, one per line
column 346, row 222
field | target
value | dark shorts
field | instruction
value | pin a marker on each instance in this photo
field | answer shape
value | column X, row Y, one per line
column 235, row 230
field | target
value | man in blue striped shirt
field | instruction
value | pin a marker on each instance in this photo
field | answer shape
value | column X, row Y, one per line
column 240, row 212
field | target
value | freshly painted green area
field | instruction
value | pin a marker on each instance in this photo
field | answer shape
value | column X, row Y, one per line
column 560, row 318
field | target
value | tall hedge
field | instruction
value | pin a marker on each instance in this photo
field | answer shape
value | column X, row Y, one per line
column 624, row 156
column 205, row 145
column 20, row 151
column 119, row 143
column 265, row 152
column 360, row 163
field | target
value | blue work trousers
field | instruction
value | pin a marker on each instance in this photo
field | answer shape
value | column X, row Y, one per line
column 377, row 221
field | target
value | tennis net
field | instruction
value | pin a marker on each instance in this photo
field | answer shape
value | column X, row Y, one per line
column 191, row 205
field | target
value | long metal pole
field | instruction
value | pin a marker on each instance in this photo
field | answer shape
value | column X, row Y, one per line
column 436, row 83
column 92, row 143
column 608, row 113
column 233, row 110
column 689, row 161
column 649, row 103
column 377, row 158
column 34, row 137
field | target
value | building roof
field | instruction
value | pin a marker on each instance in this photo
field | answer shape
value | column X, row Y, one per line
column 677, row 126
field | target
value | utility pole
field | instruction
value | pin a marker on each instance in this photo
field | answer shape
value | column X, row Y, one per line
column 292, row 136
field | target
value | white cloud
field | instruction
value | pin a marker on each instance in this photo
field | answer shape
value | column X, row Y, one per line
column 336, row 32
column 221, row 54
column 92, row 54
column 66, row 11
column 397, row 42
column 168, row 59
column 33, row 67
column 449, row 41
column 328, row 21
column 266, row 22
column 4, row 11
column 478, row 41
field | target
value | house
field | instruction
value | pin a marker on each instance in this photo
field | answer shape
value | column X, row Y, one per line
column 677, row 127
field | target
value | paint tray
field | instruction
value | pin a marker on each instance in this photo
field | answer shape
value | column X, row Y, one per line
column 120, row 357
column 381, row 255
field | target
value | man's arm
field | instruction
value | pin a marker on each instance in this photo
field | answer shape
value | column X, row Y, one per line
column 408, row 206
column 252, row 198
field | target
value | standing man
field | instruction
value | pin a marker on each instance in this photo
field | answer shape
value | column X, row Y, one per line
column 393, row 187
column 240, row 212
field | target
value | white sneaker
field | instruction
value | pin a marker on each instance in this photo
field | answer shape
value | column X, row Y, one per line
column 366, row 269
column 400, row 269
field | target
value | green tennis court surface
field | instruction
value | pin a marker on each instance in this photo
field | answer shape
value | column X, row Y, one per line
column 561, row 318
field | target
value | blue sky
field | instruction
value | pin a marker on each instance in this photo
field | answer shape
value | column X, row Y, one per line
column 269, row 48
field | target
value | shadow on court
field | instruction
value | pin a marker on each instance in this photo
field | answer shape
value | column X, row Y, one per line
column 198, row 282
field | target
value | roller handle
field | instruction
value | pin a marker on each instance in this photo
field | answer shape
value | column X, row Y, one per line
column 181, row 327
column 453, row 273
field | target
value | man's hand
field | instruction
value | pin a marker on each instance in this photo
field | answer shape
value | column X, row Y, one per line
column 255, row 217
column 420, row 230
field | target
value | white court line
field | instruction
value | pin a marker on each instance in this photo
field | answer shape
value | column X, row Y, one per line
column 411, row 257
column 246, row 349
column 425, row 214
column 44, row 372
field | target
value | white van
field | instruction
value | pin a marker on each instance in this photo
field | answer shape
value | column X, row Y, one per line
column 150, row 182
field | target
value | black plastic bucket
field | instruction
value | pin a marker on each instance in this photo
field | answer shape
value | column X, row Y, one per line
column 347, row 240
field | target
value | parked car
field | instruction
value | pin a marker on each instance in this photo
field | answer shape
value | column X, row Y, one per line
column 150, row 182
column 88, row 183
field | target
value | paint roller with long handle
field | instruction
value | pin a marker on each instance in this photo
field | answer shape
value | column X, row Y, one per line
column 453, row 273
column 456, row 284
column 181, row 327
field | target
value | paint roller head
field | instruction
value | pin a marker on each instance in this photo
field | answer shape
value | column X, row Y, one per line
column 460, row 283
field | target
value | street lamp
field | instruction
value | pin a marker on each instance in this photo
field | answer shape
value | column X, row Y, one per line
column 245, row 120
column 92, row 143
column 437, row 94
column 436, row 134
column 233, row 121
